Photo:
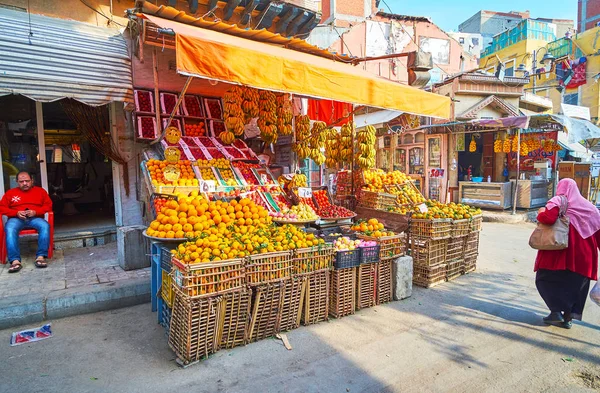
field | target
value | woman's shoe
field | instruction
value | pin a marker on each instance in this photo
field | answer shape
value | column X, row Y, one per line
column 567, row 324
column 554, row 318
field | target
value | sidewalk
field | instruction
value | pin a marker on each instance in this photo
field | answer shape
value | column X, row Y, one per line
column 77, row 281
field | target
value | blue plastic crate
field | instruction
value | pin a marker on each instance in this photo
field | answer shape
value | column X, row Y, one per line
column 369, row 254
column 346, row 259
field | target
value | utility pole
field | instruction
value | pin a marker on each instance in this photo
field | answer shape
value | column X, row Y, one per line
column 534, row 67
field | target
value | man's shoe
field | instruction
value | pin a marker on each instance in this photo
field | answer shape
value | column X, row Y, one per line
column 554, row 318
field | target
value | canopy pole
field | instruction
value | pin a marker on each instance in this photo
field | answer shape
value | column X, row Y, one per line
column 516, row 190
column 177, row 104
column 155, row 79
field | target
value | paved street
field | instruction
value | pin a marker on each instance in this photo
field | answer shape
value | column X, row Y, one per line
column 479, row 333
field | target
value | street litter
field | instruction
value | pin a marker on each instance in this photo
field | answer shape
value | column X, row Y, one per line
column 31, row 335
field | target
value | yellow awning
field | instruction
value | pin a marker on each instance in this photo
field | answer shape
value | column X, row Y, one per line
column 213, row 55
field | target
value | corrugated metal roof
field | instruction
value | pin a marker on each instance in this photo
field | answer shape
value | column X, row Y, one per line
column 61, row 59
column 262, row 35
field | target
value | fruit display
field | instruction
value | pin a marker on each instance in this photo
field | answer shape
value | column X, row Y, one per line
column 346, row 244
column 302, row 135
column 233, row 114
column 472, row 145
column 174, row 123
column 550, row 145
column 250, row 103
column 235, row 153
column 245, row 169
column 156, row 169
column 207, row 174
column 284, row 114
column 267, row 116
column 144, row 101
column 215, row 153
column 506, row 145
column 375, row 179
column 371, row 227
column 191, row 106
column 515, row 144
column 213, row 108
column 220, row 163
column 167, row 103
column 147, row 127
column 318, row 135
column 160, row 201
column 257, row 198
column 308, row 201
column 498, row 145
column 299, row 180
column 280, row 200
column 334, row 212
column 338, row 146
column 198, row 154
column 240, row 144
column 198, row 129
column 299, row 212
column 451, row 210
column 407, row 194
column 217, row 127
column 365, row 157
column 228, row 177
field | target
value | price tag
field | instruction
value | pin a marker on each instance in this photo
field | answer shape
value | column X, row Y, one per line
column 208, row 186
column 304, row 192
column 423, row 208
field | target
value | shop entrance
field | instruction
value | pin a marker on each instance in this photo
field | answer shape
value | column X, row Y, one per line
column 40, row 138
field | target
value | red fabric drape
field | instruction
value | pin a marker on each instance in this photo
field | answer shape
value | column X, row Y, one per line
column 329, row 111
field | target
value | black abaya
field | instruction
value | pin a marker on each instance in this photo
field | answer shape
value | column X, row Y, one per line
column 563, row 291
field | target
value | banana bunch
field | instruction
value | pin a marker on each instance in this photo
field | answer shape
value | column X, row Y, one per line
column 515, row 144
column 524, row 149
column 267, row 116
column 284, row 114
column 498, row 146
column 472, row 145
column 299, row 180
column 301, row 149
column 506, row 145
column 302, row 137
column 366, row 147
column 332, row 148
column 346, row 147
column 227, row 137
column 250, row 104
column 233, row 113
column 318, row 135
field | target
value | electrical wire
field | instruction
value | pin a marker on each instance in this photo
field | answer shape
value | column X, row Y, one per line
column 99, row 12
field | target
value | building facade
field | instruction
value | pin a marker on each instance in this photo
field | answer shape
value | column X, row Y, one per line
column 588, row 14
column 471, row 43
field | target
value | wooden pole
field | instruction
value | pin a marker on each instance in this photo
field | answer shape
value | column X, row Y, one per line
column 177, row 104
column 516, row 190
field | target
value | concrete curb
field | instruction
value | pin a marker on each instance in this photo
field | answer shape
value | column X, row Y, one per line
column 22, row 310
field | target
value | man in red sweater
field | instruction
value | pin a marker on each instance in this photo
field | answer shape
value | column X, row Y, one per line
column 25, row 207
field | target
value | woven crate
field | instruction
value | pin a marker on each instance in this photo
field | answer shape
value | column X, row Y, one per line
column 455, row 251
column 269, row 267
column 235, row 318
column 342, row 292
column 293, row 301
column 208, row 279
column 194, row 327
column 267, row 303
column 384, row 282
column 477, row 223
column 377, row 200
column 369, row 254
column 346, row 259
column 306, row 260
column 428, row 252
column 454, row 269
column 165, row 258
column 390, row 247
column 429, row 276
column 166, row 288
column 316, row 297
column 365, row 285
column 470, row 263
column 471, row 243
column 431, row 229
column 460, row 228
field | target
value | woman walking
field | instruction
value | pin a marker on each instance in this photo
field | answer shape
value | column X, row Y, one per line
column 563, row 276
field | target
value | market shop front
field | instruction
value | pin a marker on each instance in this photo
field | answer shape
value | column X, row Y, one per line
column 62, row 92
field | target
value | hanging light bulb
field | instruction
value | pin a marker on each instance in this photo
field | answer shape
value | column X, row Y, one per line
column 453, row 165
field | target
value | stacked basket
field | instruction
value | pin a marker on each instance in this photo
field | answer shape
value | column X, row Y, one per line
column 428, row 245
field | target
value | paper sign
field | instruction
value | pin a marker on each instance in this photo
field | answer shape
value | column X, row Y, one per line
column 423, row 208
column 208, row 186
column 304, row 192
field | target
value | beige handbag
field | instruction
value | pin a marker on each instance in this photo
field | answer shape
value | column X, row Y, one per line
column 552, row 237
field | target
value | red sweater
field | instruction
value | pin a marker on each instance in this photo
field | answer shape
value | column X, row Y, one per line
column 15, row 200
column 580, row 257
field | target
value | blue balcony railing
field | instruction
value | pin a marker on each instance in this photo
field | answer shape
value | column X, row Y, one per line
column 527, row 29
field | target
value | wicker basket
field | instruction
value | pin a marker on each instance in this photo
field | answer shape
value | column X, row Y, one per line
column 470, row 263
column 460, row 228
column 316, row 300
column 455, row 250
column 384, row 282
column 342, row 292
column 267, row 303
column 431, row 229
column 429, row 276
column 268, row 267
column 293, row 301
column 454, row 269
column 428, row 252
column 472, row 243
column 390, row 247
column 365, row 285
column 166, row 289
column 346, row 259
column 208, row 279
column 235, row 319
column 306, row 260
column 194, row 327
column 477, row 223
column 377, row 200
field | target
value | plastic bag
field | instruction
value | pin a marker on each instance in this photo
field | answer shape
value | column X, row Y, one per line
column 595, row 294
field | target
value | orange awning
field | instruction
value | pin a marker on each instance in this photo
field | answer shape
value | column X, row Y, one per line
column 210, row 54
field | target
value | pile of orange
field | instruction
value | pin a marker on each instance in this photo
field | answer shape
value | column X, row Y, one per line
column 372, row 227
column 186, row 177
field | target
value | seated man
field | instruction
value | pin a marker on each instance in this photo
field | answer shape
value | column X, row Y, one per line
column 25, row 207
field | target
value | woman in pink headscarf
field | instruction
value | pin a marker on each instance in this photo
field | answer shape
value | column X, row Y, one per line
column 563, row 276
